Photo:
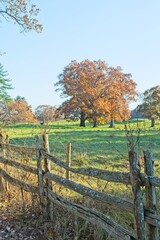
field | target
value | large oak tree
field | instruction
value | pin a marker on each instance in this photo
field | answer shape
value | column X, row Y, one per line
column 84, row 83
column 96, row 90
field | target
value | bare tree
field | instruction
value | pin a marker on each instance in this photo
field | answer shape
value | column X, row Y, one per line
column 46, row 113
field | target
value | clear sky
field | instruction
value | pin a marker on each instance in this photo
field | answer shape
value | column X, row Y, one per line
column 123, row 33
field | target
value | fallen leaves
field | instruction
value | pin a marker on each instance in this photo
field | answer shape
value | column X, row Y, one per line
column 17, row 224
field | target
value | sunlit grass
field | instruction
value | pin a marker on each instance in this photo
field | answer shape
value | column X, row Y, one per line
column 100, row 147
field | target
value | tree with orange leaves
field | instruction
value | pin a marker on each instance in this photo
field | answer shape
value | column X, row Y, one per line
column 19, row 111
column 97, row 90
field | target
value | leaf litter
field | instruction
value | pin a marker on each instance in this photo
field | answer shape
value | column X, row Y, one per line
column 17, row 223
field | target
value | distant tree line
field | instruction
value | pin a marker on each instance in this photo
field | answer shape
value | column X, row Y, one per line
column 18, row 109
column 94, row 91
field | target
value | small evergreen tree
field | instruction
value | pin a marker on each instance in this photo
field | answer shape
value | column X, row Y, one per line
column 5, row 85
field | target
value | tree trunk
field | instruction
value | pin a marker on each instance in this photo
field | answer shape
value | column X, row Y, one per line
column 82, row 119
column 95, row 119
column 94, row 122
column 112, row 123
column 152, row 122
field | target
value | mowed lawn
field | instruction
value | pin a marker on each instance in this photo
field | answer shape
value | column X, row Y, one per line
column 101, row 147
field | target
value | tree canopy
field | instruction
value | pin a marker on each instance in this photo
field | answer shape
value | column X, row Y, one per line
column 21, row 12
column 19, row 111
column 150, row 108
column 97, row 90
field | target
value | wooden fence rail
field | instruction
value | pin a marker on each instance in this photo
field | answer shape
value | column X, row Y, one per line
column 143, row 213
column 20, row 149
column 16, row 182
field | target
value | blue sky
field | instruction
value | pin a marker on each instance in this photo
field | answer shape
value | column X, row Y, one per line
column 123, row 33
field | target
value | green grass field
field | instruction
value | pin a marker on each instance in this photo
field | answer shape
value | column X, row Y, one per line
column 97, row 147
column 100, row 147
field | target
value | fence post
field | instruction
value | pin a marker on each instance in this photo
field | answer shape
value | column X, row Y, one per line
column 151, row 201
column 40, row 173
column 3, row 182
column 5, row 155
column 5, row 152
column 137, row 194
column 1, row 179
column 1, row 185
column 68, row 159
column 47, row 168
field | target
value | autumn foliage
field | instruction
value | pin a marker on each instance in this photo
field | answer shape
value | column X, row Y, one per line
column 100, row 92
column 19, row 111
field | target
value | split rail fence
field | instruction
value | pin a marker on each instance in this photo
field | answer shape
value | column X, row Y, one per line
column 147, row 221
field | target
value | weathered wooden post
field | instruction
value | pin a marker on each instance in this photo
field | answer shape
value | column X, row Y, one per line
column 1, row 179
column 1, row 185
column 5, row 155
column 47, row 168
column 151, row 201
column 6, row 141
column 137, row 194
column 40, row 172
column 45, row 140
column 68, row 159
